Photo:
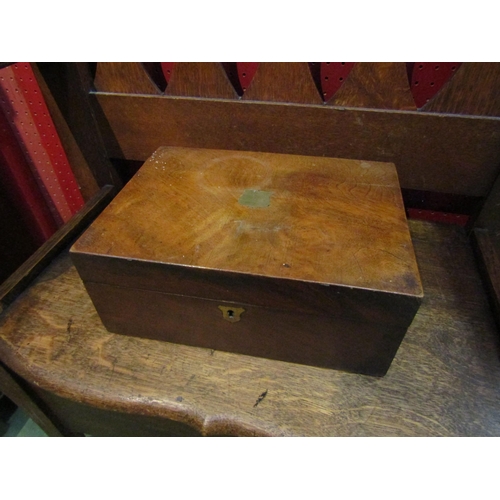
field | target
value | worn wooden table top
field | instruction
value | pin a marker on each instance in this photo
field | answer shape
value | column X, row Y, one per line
column 445, row 379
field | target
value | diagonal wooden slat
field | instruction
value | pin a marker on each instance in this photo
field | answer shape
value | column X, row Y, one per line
column 473, row 90
column 124, row 77
column 207, row 79
column 376, row 85
column 283, row 82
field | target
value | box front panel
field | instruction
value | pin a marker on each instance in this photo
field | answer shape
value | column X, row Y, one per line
column 350, row 304
column 317, row 340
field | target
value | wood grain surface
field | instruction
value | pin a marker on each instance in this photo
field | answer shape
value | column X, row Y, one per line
column 283, row 82
column 376, row 85
column 125, row 77
column 206, row 79
column 444, row 380
column 327, row 226
column 284, row 294
column 432, row 152
column 331, row 221
column 473, row 90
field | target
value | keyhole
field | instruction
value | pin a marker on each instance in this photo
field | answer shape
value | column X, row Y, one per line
column 232, row 314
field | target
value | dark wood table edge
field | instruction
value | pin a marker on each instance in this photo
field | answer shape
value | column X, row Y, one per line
column 214, row 425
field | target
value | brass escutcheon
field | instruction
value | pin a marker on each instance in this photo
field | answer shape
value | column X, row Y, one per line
column 232, row 314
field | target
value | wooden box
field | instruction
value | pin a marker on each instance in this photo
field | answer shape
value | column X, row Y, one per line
column 296, row 258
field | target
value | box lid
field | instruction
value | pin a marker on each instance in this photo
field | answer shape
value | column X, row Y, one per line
column 322, row 221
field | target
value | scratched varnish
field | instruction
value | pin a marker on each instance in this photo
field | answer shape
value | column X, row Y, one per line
column 296, row 258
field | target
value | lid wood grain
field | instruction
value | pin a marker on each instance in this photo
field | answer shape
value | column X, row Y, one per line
column 322, row 220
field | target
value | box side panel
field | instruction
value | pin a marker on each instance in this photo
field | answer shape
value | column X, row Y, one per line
column 323, row 341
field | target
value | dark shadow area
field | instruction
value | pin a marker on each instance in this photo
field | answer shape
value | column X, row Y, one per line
column 315, row 69
column 232, row 73
column 442, row 202
column 126, row 169
column 156, row 74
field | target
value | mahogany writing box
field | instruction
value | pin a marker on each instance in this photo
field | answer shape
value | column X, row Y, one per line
column 295, row 258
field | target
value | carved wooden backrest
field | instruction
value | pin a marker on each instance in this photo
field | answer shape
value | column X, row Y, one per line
column 451, row 144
